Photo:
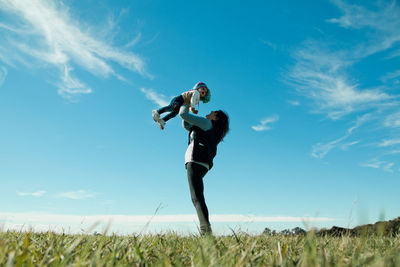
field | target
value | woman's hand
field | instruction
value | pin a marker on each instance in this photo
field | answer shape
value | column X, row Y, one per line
column 195, row 111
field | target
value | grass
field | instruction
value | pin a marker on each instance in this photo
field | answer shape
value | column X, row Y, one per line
column 170, row 249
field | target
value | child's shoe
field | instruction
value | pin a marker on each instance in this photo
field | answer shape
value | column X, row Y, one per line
column 161, row 123
column 156, row 115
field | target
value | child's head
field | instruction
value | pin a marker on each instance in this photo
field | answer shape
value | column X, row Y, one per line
column 205, row 94
column 203, row 91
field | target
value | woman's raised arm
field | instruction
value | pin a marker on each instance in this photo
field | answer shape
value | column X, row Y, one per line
column 194, row 120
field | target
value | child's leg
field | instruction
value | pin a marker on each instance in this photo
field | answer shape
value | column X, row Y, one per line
column 168, row 108
column 171, row 115
column 175, row 105
column 171, row 105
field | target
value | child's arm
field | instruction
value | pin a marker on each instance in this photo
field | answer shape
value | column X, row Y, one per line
column 194, row 100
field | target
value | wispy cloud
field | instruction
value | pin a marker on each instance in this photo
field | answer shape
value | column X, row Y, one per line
column 388, row 167
column 346, row 146
column 39, row 193
column 324, row 74
column 374, row 163
column 391, row 75
column 320, row 150
column 389, row 142
column 69, row 87
column 3, row 74
column 382, row 17
column 320, row 76
column 265, row 124
column 270, row 44
column 134, row 41
column 160, row 99
column 294, row 102
column 45, row 31
column 80, row 194
column 392, row 120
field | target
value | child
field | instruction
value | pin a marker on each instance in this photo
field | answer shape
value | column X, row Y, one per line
column 190, row 98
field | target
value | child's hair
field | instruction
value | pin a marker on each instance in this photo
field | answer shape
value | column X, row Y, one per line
column 207, row 98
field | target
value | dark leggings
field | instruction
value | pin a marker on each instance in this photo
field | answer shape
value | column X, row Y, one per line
column 195, row 173
column 173, row 108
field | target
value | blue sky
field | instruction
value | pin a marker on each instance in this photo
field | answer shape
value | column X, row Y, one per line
column 311, row 88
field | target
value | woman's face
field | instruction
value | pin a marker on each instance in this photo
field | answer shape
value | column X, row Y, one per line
column 212, row 116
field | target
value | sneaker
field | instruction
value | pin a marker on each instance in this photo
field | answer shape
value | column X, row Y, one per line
column 161, row 123
column 156, row 115
column 205, row 230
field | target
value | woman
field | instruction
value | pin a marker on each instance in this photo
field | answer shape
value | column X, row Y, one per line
column 204, row 136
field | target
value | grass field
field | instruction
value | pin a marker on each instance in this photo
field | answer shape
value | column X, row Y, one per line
column 169, row 249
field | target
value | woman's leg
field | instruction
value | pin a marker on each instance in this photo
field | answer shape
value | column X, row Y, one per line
column 195, row 173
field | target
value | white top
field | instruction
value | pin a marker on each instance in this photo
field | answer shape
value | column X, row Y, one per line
column 188, row 121
column 195, row 99
column 188, row 156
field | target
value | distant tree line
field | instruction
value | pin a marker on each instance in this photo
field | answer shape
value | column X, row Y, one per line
column 383, row 228
column 287, row 232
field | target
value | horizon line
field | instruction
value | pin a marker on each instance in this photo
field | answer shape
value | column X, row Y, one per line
column 121, row 218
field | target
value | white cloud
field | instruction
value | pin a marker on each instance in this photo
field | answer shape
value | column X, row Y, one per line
column 388, row 167
column 356, row 16
column 379, row 164
column 265, row 123
column 80, row 194
column 159, row 99
column 391, row 75
column 374, row 163
column 320, row 76
column 389, row 142
column 346, row 146
column 134, row 41
column 294, row 102
column 128, row 223
column 323, row 74
column 70, row 87
column 383, row 20
column 3, row 74
column 44, row 30
column 39, row 193
column 270, row 44
column 320, row 150
column 40, row 217
column 392, row 120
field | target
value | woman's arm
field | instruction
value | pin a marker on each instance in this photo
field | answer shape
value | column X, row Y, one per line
column 186, row 125
column 194, row 120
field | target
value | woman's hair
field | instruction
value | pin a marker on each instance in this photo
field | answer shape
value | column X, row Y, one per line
column 221, row 125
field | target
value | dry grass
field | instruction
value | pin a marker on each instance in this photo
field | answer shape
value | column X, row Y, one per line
column 170, row 249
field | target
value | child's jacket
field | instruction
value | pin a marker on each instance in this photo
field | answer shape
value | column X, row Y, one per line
column 191, row 98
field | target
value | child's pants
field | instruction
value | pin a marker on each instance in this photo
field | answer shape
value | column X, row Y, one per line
column 173, row 107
